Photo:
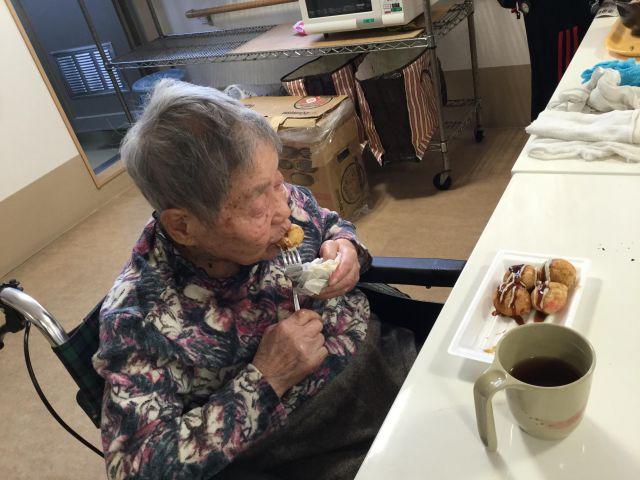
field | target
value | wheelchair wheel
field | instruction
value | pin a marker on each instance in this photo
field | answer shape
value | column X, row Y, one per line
column 442, row 181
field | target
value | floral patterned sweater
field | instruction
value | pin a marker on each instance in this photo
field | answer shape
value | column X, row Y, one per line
column 182, row 397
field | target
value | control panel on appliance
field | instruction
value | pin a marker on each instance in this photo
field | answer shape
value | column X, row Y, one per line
column 392, row 6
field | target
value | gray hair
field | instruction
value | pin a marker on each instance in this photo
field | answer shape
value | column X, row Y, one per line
column 187, row 143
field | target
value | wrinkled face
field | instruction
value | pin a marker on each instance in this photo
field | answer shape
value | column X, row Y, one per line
column 254, row 216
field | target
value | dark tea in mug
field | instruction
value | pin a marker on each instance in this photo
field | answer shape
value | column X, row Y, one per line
column 545, row 371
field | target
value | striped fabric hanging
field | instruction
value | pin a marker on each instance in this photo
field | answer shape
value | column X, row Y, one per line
column 421, row 103
column 375, row 144
column 421, row 108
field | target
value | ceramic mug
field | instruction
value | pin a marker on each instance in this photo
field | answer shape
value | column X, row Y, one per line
column 526, row 359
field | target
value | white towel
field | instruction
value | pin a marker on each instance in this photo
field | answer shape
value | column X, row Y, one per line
column 553, row 149
column 596, row 121
column 602, row 93
column 617, row 126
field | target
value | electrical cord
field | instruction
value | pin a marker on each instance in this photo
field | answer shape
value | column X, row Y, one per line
column 51, row 410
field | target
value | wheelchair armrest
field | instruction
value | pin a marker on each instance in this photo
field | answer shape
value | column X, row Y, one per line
column 427, row 272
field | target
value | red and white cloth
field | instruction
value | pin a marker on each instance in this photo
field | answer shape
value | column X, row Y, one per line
column 421, row 108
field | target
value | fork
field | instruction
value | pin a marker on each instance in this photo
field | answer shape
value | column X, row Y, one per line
column 292, row 262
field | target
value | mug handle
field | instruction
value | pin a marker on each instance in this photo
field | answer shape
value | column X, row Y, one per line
column 485, row 387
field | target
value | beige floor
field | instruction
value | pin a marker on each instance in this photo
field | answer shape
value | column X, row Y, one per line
column 408, row 217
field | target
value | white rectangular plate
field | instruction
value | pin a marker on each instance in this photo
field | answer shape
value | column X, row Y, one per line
column 480, row 330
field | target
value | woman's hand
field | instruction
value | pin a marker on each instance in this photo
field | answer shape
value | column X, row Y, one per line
column 345, row 277
column 290, row 350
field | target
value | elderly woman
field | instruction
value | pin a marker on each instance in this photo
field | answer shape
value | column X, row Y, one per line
column 206, row 362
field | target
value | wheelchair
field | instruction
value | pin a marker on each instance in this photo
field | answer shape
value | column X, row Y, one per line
column 76, row 348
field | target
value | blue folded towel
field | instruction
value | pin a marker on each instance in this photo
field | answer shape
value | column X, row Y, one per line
column 629, row 71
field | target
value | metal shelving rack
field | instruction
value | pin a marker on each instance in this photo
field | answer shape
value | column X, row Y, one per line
column 219, row 46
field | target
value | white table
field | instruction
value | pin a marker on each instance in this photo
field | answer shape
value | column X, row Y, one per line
column 590, row 52
column 430, row 432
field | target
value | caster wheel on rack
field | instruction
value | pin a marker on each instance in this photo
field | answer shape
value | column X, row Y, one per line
column 478, row 135
column 442, row 181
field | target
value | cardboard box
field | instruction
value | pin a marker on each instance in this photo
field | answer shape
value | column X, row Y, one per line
column 320, row 148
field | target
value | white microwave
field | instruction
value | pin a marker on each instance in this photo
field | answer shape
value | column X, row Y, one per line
column 327, row 16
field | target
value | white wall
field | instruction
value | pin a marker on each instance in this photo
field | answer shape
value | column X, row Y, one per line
column 501, row 39
column 33, row 137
